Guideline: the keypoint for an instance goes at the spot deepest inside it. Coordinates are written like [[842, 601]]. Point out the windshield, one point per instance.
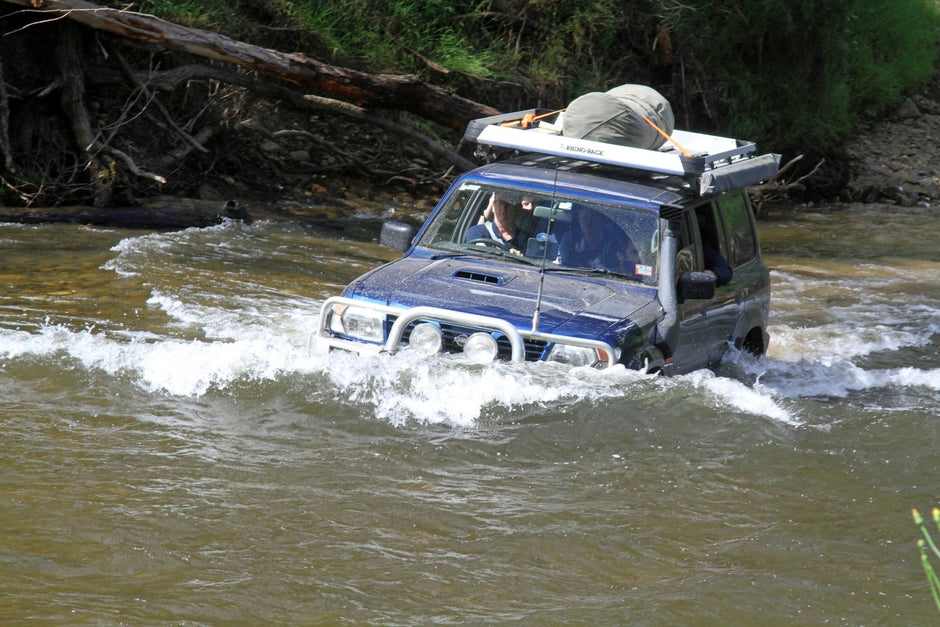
[[570, 234]]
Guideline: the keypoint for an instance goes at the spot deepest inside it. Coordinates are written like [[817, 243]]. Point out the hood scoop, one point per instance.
[[478, 277]]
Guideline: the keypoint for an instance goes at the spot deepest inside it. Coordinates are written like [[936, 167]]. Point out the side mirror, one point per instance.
[[396, 235], [695, 285]]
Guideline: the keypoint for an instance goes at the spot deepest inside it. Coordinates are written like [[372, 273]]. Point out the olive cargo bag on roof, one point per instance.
[[616, 117]]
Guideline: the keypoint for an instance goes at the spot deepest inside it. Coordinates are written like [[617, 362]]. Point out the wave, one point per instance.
[[398, 389], [225, 320]]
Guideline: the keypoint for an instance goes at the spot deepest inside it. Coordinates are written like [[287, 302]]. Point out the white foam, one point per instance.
[[831, 343], [731, 393], [254, 332], [405, 387], [133, 252]]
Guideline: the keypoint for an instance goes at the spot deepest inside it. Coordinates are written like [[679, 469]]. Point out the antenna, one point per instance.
[[548, 233]]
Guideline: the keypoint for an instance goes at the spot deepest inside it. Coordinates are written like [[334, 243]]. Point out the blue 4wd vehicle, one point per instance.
[[607, 264]]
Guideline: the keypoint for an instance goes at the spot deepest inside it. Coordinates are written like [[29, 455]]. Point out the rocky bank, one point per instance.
[[897, 160]]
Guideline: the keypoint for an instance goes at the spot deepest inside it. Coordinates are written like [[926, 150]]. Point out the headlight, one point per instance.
[[480, 348], [573, 355], [359, 322], [426, 339]]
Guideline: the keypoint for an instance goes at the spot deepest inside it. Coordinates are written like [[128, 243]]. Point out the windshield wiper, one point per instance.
[[603, 271], [437, 256], [498, 251], [476, 250]]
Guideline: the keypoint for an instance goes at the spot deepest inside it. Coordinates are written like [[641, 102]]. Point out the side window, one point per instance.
[[709, 228], [463, 207], [688, 258], [736, 213]]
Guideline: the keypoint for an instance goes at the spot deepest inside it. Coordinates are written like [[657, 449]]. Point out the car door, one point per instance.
[[706, 325], [750, 285]]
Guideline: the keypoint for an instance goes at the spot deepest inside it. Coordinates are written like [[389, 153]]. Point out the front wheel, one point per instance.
[[648, 361], [754, 343]]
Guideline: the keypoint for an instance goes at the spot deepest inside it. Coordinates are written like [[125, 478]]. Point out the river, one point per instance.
[[173, 453]]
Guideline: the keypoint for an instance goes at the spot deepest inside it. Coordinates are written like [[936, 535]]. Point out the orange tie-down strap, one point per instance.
[[529, 118]]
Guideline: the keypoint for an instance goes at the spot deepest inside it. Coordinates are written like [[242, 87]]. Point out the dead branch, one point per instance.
[[135, 170], [386, 91], [160, 212], [174, 156], [142, 87], [170, 79], [789, 165], [775, 188]]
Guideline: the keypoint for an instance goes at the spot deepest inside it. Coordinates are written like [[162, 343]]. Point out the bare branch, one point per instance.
[[152, 99], [387, 91], [126, 159]]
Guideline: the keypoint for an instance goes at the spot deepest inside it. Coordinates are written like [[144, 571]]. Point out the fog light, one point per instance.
[[426, 339], [480, 348]]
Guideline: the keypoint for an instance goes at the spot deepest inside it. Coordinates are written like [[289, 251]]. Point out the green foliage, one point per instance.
[[789, 74], [192, 13], [802, 72], [889, 56], [388, 36], [932, 579]]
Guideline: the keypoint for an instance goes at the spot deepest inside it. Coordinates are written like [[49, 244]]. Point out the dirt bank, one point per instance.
[[897, 159]]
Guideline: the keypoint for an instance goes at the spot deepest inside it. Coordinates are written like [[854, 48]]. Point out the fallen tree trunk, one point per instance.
[[170, 79], [386, 91], [162, 212]]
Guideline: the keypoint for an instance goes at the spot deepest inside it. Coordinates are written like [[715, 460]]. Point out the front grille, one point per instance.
[[534, 349]]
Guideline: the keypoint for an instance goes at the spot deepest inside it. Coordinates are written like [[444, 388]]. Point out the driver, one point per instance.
[[499, 225]]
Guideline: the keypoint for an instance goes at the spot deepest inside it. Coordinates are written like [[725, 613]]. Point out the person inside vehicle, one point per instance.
[[716, 265], [595, 241], [498, 224]]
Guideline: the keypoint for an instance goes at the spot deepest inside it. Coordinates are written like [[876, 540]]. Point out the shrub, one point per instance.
[[802, 72]]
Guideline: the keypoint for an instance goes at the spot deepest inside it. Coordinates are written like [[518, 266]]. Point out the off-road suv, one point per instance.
[[652, 304]]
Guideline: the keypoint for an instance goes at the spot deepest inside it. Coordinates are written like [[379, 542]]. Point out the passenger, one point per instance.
[[498, 224], [716, 265], [595, 241]]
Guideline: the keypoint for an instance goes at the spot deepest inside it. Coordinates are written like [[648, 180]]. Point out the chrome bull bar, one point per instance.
[[436, 314]]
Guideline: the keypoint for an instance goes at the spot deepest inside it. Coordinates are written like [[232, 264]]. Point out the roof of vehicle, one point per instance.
[[708, 164], [548, 174]]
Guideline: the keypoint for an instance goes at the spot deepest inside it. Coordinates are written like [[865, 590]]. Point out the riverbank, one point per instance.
[[897, 160], [274, 175], [891, 160]]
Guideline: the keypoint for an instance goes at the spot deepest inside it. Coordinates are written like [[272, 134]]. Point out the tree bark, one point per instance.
[[386, 91], [72, 98], [6, 147]]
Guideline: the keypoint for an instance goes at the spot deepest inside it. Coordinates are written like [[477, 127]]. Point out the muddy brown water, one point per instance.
[[173, 453]]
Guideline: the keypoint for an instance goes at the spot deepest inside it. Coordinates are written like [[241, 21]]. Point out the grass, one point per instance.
[[923, 545]]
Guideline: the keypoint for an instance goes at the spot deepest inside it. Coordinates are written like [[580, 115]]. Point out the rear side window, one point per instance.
[[739, 227]]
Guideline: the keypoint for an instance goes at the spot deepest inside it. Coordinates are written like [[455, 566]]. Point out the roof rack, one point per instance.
[[716, 164]]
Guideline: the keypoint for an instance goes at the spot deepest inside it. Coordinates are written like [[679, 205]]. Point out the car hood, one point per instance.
[[572, 304]]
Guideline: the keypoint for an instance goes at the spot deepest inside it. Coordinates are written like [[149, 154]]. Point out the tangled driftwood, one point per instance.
[[384, 91], [305, 83]]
